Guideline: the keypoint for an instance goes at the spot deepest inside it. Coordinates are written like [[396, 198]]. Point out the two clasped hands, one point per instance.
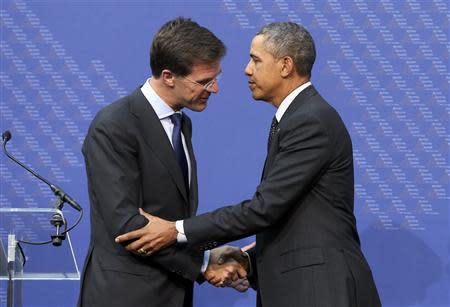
[[228, 265]]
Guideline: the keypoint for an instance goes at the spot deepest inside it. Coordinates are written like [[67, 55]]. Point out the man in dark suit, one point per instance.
[[307, 247], [139, 156]]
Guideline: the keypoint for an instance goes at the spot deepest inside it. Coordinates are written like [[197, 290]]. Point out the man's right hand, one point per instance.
[[227, 253], [156, 235], [221, 271], [228, 266], [241, 284]]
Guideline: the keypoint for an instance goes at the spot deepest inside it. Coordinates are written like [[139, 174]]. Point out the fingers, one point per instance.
[[241, 272], [134, 246], [225, 275], [130, 236], [229, 274], [217, 282], [234, 277], [153, 246], [145, 241], [147, 215], [214, 278], [223, 258], [230, 252], [240, 285], [153, 237], [235, 271]]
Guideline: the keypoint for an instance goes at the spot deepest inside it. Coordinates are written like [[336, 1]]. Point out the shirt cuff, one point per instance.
[[205, 261], [250, 270], [181, 237]]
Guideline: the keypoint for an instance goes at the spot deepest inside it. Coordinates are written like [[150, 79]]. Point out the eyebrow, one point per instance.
[[206, 80], [255, 57]]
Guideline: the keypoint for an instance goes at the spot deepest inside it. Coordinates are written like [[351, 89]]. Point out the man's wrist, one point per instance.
[[249, 264], [205, 264]]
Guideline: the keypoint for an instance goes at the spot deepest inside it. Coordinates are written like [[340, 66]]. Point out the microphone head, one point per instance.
[[6, 136]]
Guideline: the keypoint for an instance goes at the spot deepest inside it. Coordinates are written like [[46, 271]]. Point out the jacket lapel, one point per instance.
[[295, 105], [193, 188], [272, 151], [156, 138]]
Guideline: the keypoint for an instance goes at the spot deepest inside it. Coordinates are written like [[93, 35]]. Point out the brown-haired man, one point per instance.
[[139, 155]]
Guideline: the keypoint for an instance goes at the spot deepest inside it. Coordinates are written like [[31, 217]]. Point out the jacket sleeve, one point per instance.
[[115, 190], [253, 276], [304, 149]]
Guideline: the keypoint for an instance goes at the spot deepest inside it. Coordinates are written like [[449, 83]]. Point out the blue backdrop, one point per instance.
[[384, 65]]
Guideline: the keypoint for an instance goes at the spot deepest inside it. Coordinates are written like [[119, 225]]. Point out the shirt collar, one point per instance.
[[288, 100], [161, 108]]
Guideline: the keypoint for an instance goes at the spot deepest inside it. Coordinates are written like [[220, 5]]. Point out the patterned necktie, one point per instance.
[[177, 120], [273, 131]]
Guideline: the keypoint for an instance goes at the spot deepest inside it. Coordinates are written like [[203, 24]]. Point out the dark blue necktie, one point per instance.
[[177, 120], [273, 130]]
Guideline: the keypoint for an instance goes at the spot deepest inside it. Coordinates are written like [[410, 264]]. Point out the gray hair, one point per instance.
[[290, 39]]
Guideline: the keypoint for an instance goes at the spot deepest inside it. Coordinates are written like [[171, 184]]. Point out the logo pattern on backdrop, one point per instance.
[[388, 58]]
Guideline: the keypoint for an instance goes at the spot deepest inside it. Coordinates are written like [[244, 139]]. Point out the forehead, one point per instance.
[[202, 70], [258, 48]]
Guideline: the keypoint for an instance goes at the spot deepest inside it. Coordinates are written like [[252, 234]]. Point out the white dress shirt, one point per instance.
[[163, 111]]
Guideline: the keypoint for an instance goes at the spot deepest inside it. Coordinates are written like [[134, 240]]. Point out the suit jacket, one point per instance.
[[130, 163], [307, 246]]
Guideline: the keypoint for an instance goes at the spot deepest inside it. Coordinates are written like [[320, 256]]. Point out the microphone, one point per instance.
[[6, 136]]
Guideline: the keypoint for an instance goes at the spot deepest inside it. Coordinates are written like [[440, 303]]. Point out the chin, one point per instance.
[[199, 107], [256, 96]]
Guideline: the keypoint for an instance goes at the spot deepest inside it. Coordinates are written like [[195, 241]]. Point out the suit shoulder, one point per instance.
[[316, 106], [116, 111], [114, 120], [315, 109]]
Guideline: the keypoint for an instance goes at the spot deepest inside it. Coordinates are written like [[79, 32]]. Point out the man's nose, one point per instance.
[[248, 70], [214, 88]]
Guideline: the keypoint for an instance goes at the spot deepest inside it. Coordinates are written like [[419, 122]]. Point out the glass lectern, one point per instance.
[[22, 262]]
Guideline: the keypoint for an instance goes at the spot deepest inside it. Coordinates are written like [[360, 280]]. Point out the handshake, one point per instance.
[[228, 267]]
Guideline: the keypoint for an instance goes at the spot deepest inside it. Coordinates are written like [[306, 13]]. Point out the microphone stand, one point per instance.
[[61, 197], [6, 136], [57, 220]]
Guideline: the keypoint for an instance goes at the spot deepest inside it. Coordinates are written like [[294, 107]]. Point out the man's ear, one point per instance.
[[287, 66], [168, 78]]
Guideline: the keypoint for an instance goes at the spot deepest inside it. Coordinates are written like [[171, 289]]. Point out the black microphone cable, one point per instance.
[[62, 198]]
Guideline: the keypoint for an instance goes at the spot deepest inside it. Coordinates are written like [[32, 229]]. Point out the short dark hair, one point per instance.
[[290, 39], [181, 43]]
